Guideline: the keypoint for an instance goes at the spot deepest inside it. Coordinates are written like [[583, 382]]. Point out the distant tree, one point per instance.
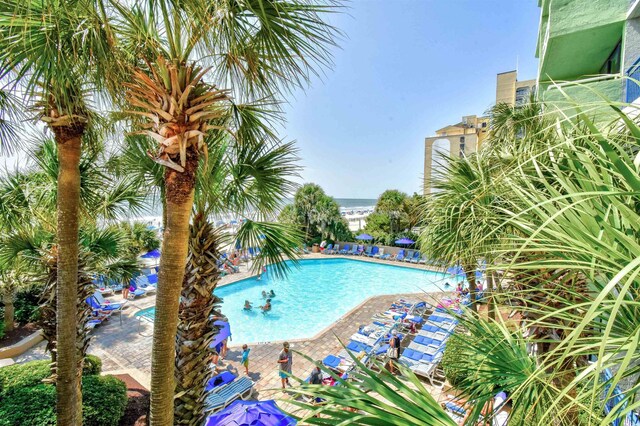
[[288, 215], [317, 214], [391, 203], [305, 202]]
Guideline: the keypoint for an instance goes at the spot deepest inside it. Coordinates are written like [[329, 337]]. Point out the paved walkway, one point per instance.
[[127, 347]]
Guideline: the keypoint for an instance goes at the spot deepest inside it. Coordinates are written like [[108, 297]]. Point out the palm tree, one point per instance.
[[252, 49], [56, 55], [240, 177], [305, 201], [463, 218], [28, 205]]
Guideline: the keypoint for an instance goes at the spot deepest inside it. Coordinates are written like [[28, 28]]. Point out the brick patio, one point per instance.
[[127, 347]]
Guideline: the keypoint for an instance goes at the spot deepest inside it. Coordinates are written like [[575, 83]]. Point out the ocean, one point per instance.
[[347, 205], [356, 202]]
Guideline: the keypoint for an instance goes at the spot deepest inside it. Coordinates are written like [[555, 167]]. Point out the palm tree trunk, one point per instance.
[[7, 299], [491, 307], [470, 271], [195, 328], [68, 394], [179, 201]]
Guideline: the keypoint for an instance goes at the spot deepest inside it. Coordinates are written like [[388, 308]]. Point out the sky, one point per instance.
[[404, 69]]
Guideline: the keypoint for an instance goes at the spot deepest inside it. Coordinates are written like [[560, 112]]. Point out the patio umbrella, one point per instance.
[[223, 333], [364, 237], [404, 241], [153, 254], [455, 270], [251, 413]]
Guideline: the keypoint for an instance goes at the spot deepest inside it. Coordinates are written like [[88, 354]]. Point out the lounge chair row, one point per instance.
[[424, 353], [409, 256], [372, 341]]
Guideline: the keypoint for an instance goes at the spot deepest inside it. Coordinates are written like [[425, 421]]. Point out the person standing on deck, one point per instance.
[[285, 361]]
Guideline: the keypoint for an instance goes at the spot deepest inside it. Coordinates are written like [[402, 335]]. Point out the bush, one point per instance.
[[23, 375], [26, 305], [29, 405], [1, 329], [104, 399], [454, 361], [92, 366], [25, 400]]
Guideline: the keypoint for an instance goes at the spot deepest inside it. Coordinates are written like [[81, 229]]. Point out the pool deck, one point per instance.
[[126, 348]]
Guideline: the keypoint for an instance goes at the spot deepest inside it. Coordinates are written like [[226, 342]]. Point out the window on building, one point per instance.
[[522, 95], [612, 64], [462, 146]]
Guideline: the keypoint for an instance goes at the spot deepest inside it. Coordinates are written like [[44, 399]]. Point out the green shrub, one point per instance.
[[23, 375], [1, 329], [26, 305], [25, 400], [104, 400], [454, 362], [92, 366], [28, 405]]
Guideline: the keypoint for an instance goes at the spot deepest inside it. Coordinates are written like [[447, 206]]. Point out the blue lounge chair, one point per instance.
[[409, 256], [400, 256], [144, 282], [367, 252], [101, 313], [415, 258], [373, 252], [134, 291], [336, 249], [355, 249], [345, 250], [221, 379], [222, 396], [331, 361], [327, 249], [108, 303], [386, 256]]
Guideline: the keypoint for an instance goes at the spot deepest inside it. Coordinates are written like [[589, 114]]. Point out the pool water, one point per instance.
[[314, 295]]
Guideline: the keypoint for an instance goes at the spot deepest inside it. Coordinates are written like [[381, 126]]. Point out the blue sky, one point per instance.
[[405, 69]]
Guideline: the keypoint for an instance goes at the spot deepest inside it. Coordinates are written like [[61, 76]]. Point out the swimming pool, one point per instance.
[[314, 295]]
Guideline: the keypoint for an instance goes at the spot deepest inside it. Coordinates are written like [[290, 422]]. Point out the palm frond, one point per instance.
[[277, 243]]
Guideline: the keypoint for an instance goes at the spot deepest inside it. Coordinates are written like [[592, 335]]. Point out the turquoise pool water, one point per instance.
[[314, 295]]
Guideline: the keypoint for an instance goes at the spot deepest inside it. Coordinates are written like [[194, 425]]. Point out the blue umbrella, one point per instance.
[[153, 254], [251, 413], [223, 333], [455, 270], [364, 237], [406, 241]]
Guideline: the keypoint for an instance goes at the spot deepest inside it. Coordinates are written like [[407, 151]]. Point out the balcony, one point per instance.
[[588, 92]]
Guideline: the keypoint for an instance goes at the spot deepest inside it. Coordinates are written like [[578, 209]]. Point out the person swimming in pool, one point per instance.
[[264, 294], [272, 293], [267, 306], [247, 305]]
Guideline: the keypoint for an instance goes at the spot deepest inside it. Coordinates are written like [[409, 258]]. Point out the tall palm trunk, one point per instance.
[[491, 307], [179, 201], [7, 299], [68, 394], [48, 314], [470, 271], [195, 327]]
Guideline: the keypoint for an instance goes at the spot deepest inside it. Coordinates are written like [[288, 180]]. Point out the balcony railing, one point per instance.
[[633, 80]]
